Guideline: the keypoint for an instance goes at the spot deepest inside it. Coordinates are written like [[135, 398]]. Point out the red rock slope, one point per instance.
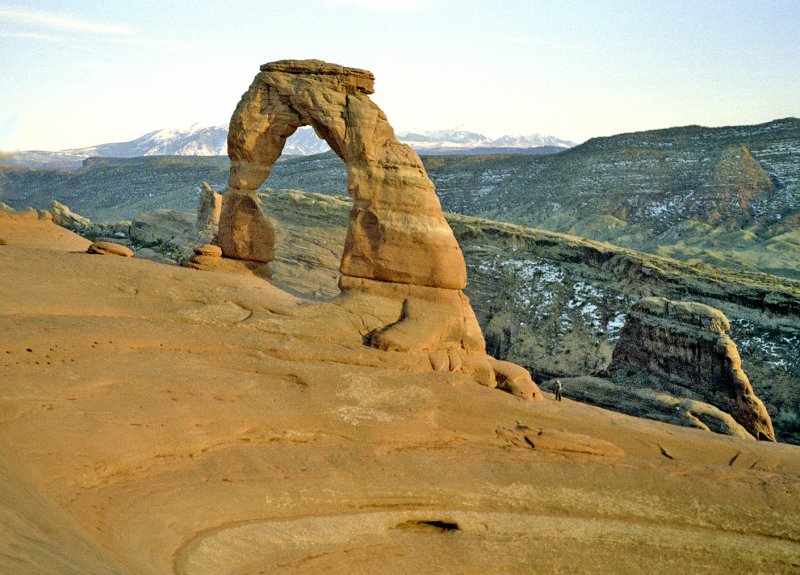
[[160, 420]]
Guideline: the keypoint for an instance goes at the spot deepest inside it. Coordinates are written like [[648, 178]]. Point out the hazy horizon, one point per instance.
[[80, 74]]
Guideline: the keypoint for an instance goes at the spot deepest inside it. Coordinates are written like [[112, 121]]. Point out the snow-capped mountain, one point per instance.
[[212, 141], [192, 141], [531, 140], [457, 141], [304, 142], [454, 138]]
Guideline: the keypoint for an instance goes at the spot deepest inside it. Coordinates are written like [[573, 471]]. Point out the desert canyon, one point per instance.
[[207, 419]]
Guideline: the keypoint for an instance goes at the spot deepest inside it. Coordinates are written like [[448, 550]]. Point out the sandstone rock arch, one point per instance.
[[398, 244], [397, 232]]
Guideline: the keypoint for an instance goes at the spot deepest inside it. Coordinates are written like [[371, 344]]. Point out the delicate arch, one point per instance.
[[397, 231]]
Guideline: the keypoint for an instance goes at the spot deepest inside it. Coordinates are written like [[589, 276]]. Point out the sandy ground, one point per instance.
[[160, 420]]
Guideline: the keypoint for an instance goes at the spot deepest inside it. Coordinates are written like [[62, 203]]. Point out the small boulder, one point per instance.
[[110, 249], [209, 250], [515, 379]]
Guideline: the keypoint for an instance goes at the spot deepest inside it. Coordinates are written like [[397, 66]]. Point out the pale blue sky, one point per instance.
[[81, 73]]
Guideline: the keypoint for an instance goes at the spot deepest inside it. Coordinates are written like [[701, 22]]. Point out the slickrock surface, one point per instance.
[[688, 344], [27, 229], [157, 420]]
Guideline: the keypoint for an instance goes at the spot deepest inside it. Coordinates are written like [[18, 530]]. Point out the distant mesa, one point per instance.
[[398, 244], [687, 346]]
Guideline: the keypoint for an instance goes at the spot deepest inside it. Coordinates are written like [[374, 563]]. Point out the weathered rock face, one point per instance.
[[397, 232], [244, 231], [687, 344], [209, 209], [65, 217]]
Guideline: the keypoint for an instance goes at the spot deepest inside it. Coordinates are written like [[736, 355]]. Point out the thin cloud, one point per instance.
[[39, 19], [383, 5], [34, 36], [89, 65], [39, 25], [540, 43], [175, 45]]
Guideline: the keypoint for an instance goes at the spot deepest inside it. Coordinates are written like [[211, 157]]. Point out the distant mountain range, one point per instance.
[[463, 142], [728, 196], [212, 141]]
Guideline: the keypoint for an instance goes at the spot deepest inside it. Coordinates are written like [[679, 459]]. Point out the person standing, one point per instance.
[[558, 390]]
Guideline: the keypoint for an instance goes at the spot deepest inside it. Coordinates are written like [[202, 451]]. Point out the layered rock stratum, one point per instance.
[[726, 196], [155, 419], [688, 344]]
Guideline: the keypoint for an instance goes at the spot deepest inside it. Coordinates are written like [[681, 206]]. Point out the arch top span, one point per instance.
[[362, 80]]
